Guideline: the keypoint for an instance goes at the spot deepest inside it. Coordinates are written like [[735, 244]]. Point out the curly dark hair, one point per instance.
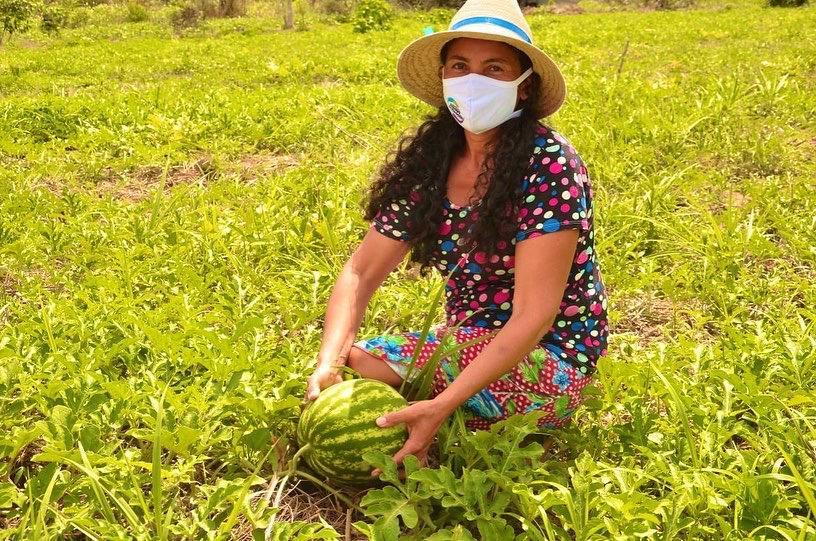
[[423, 159]]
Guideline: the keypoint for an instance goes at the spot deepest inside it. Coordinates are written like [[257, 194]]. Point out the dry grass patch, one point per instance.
[[729, 199], [250, 167], [143, 181], [302, 501], [9, 284], [646, 315], [564, 9]]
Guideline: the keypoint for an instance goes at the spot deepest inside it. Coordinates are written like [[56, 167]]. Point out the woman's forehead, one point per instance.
[[481, 49]]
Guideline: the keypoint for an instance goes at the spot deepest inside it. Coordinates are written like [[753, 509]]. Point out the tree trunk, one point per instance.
[[288, 15]]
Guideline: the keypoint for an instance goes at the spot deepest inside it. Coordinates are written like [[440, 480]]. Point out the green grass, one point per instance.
[[174, 212]]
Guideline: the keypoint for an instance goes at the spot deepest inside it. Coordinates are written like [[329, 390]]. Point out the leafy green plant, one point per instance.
[[478, 497], [372, 15], [136, 12], [418, 382], [78, 17], [301, 14], [54, 17]]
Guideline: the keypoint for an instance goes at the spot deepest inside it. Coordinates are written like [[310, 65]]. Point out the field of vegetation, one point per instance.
[[175, 206]]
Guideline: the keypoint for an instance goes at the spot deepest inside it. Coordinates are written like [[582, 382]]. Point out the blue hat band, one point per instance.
[[498, 22]]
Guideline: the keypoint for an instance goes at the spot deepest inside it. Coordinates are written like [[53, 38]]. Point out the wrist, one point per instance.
[[446, 403], [331, 362]]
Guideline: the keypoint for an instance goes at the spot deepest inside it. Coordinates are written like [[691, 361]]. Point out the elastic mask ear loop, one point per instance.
[[514, 82], [523, 76], [517, 82]]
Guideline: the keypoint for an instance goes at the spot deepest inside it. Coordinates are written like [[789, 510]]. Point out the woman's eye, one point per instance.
[[458, 65], [498, 68]]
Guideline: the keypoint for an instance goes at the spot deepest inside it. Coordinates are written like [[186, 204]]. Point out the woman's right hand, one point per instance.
[[325, 375]]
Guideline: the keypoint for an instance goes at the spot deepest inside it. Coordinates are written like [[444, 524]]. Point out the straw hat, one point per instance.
[[497, 20]]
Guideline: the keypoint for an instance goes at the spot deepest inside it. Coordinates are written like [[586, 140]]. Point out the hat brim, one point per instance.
[[418, 69]]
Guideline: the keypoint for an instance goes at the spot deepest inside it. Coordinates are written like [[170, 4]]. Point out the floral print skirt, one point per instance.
[[541, 381]]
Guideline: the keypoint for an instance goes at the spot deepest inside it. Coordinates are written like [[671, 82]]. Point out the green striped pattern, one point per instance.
[[339, 426]]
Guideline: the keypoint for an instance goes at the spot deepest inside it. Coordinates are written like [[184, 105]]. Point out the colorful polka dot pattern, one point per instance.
[[556, 193], [541, 381]]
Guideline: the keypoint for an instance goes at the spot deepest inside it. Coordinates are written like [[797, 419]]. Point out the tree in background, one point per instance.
[[16, 16], [288, 15]]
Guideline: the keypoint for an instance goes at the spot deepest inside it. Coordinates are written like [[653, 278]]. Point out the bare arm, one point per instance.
[[364, 272], [542, 269], [344, 314]]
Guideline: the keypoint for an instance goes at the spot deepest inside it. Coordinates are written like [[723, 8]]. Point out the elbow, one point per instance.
[[360, 276], [536, 322]]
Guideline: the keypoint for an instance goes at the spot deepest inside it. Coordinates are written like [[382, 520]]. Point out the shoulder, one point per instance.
[[549, 141], [555, 192], [555, 159]]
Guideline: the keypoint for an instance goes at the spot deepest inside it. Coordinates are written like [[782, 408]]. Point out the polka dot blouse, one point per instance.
[[556, 193]]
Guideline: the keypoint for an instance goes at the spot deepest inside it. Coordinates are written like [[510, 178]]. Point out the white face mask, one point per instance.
[[480, 103]]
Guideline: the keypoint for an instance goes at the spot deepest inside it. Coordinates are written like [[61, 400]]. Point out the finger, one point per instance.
[[409, 448], [314, 389], [391, 419]]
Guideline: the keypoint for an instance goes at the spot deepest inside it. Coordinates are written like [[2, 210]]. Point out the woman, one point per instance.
[[485, 189]]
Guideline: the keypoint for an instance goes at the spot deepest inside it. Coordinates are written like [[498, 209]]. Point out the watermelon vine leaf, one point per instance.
[[459, 533], [389, 505], [386, 465]]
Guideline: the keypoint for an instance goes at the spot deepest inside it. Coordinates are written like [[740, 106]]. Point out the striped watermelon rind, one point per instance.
[[339, 427]]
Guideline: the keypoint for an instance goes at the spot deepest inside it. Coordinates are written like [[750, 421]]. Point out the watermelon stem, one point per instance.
[[275, 504], [293, 462], [324, 486]]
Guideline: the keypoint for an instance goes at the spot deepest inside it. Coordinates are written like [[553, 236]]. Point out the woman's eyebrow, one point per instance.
[[457, 57]]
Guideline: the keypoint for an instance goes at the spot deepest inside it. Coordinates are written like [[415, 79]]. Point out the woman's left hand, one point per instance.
[[423, 419]]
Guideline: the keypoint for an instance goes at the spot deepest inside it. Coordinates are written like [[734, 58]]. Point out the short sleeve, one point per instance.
[[394, 219], [555, 192]]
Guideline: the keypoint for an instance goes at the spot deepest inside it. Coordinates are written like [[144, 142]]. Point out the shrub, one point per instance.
[[221, 8], [439, 17], [669, 4], [191, 13], [340, 10], [372, 15], [232, 8], [301, 14], [53, 18], [16, 16], [136, 13], [186, 16], [431, 4], [78, 17], [785, 3]]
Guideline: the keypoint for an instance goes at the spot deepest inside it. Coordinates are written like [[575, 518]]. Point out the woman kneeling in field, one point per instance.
[[485, 189]]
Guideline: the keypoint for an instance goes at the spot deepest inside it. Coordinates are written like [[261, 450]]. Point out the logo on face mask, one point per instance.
[[454, 109]]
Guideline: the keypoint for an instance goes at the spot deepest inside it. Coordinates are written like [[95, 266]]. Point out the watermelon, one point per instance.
[[339, 426]]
